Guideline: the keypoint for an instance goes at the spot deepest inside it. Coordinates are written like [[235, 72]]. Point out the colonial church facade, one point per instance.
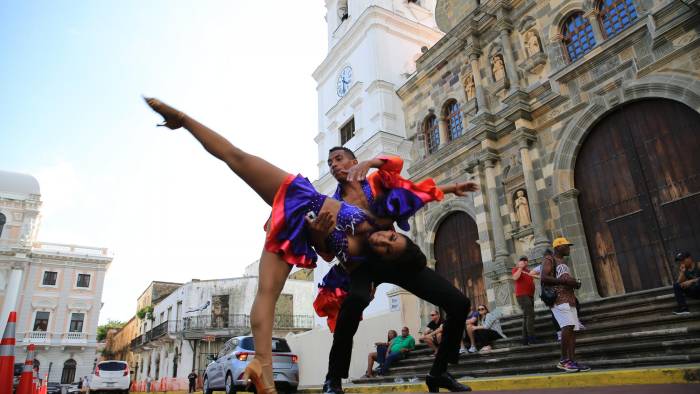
[[578, 119]]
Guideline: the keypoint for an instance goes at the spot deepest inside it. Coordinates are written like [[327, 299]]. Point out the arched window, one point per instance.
[[616, 15], [453, 116], [577, 36], [432, 133], [68, 374], [2, 222]]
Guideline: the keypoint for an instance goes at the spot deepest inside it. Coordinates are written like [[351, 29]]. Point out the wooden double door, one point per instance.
[[458, 256], [638, 173]]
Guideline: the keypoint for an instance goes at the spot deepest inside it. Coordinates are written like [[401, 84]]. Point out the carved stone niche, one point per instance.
[[498, 73], [532, 45], [470, 108]]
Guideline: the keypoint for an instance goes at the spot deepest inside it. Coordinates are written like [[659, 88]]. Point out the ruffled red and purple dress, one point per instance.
[[389, 196], [287, 235]]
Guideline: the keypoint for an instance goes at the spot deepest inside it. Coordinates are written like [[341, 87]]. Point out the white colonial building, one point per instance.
[[195, 319], [56, 289]]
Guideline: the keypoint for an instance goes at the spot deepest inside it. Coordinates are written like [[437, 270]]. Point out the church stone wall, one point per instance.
[[525, 120]]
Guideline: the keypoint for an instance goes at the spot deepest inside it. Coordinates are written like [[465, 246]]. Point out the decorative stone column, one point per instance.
[[474, 54], [499, 282], [571, 226], [499, 240], [505, 27], [592, 17], [525, 137]]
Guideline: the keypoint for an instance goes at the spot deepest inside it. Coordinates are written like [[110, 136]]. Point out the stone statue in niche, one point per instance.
[[532, 43], [470, 87], [498, 68], [522, 209]]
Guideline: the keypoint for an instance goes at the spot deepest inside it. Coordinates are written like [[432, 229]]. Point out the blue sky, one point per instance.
[[71, 74]]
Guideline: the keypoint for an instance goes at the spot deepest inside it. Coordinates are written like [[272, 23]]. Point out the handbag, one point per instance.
[[548, 296]]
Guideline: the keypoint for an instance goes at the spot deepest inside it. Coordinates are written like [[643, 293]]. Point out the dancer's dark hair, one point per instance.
[[344, 149], [412, 257]]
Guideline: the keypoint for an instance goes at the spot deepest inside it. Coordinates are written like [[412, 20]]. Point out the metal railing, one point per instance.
[[237, 321], [234, 322]]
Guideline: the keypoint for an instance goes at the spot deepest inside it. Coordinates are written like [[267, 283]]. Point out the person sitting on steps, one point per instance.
[[380, 355]]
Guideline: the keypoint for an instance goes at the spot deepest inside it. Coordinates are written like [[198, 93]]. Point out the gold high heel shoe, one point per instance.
[[254, 372], [172, 118]]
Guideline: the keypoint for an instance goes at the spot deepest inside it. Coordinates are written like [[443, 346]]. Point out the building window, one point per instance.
[[577, 34], [347, 131], [3, 219], [432, 133], [76, 322], [68, 374], [454, 119], [616, 15], [49, 278], [83, 280], [41, 321]]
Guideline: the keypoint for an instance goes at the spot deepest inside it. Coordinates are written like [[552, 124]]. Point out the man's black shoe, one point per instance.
[[332, 386], [445, 381]]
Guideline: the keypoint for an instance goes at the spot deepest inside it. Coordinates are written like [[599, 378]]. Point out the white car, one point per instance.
[[110, 376]]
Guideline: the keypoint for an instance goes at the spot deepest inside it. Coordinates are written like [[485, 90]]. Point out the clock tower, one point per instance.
[[372, 48]]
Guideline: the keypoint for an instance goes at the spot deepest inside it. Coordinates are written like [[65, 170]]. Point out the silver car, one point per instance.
[[226, 371]]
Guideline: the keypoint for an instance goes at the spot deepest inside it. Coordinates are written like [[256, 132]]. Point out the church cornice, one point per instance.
[[373, 16]]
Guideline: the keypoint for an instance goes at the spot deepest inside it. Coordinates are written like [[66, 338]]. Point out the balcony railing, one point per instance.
[[75, 337], [221, 325], [207, 322], [37, 337], [168, 327]]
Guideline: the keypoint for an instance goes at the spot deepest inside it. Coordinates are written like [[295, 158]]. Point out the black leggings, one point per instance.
[[424, 283]]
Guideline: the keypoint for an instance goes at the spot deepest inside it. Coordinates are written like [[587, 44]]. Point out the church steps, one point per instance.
[[632, 330], [660, 341]]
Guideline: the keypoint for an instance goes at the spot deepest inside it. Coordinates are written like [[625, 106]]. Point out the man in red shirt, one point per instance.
[[525, 294]]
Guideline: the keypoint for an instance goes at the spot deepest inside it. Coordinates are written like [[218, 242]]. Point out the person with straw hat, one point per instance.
[[557, 275]]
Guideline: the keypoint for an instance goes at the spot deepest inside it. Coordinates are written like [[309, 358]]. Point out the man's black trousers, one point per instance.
[[424, 283]]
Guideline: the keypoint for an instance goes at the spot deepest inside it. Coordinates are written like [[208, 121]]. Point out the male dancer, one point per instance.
[[420, 280]]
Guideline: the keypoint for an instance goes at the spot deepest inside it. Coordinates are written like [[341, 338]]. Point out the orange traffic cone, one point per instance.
[[35, 382], [7, 354], [44, 386], [25, 380]]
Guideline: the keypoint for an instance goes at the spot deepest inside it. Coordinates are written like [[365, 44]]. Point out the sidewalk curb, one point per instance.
[[663, 375], [614, 377]]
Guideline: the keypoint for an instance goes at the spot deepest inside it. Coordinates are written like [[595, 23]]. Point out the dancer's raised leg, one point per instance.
[[273, 273], [262, 176]]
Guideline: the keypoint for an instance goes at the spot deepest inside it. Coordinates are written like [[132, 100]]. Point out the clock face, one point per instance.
[[344, 80]]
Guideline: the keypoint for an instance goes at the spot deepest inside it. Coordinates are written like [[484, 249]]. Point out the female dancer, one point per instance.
[[292, 198]]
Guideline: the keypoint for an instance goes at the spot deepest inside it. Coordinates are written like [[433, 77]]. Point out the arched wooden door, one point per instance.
[[638, 172], [458, 257]]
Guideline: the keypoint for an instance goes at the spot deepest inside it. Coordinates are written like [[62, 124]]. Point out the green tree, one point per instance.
[[102, 330]]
